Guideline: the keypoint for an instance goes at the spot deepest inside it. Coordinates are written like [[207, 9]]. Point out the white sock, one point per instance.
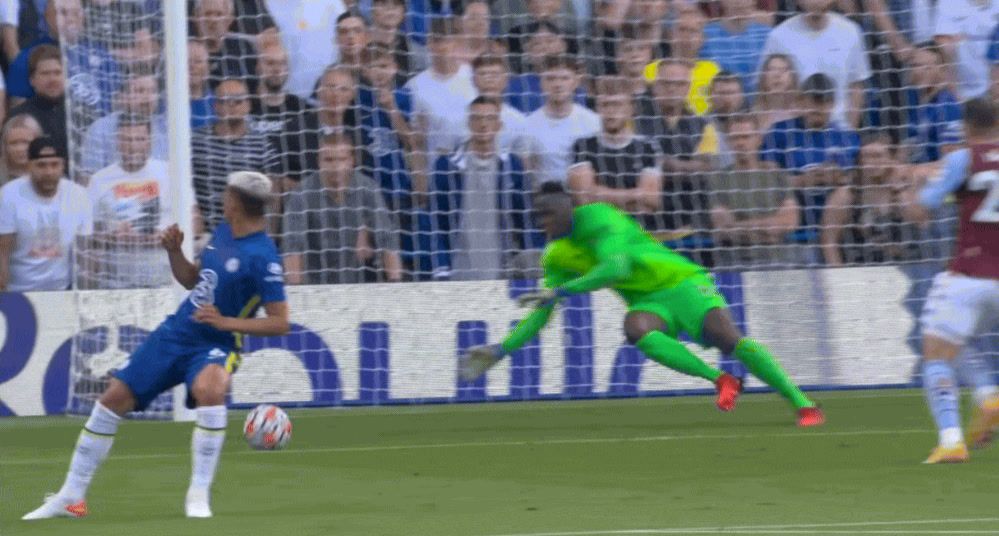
[[951, 437], [91, 449], [206, 445]]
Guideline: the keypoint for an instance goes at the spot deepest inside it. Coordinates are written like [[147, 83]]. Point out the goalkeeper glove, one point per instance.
[[540, 298], [478, 360]]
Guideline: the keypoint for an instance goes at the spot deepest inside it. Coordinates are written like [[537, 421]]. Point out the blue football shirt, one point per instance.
[[237, 275], [932, 125]]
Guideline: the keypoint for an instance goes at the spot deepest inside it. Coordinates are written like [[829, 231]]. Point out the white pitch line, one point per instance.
[[488, 444], [803, 528]]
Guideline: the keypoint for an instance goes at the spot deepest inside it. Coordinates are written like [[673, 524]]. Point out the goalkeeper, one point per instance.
[[596, 246]]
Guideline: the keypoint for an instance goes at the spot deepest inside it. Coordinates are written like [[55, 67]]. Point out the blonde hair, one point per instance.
[[18, 121]]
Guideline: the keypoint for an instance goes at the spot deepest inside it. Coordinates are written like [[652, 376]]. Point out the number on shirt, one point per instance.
[[988, 212]]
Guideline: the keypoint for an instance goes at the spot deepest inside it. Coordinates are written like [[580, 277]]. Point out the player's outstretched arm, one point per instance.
[[184, 271], [920, 201], [275, 323], [479, 359]]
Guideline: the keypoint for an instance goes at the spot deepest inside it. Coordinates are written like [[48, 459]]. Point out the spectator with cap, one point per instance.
[[48, 106], [41, 217], [817, 152]]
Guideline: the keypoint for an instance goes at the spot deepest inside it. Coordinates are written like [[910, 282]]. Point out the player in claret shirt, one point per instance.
[[964, 299], [239, 272], [597, 246]]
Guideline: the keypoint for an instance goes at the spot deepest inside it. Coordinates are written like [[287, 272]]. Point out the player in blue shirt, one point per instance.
[[239, 272]]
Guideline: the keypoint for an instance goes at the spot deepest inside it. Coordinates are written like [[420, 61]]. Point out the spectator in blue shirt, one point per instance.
[[934, 117], [384, 113], [90, 70], [202, 99], [736, 40], [818, 153]]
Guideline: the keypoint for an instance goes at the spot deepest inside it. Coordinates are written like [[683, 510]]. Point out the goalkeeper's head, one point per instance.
[[246, 197], [553, 209]]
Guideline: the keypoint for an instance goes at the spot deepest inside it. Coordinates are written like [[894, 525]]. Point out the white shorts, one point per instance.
[[959, 307]]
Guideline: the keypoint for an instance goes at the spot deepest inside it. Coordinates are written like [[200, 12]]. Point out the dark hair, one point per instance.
[[933, 48], [559, 61], [134, 120], [487, 59], [349, 14], [336, 139], [612, 85], [41, 53], [462, 6], [484, 100], [630, 31], [980, 114], [441, 27], [743, 118], [550, 188], [819, 88], [726, 77], [377, 51], [253, 207]]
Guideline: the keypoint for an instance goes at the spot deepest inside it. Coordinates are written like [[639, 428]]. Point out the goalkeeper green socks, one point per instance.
[[764, 366], [670, 352]]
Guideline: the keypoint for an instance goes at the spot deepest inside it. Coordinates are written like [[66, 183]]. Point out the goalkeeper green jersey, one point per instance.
[[608, 248]]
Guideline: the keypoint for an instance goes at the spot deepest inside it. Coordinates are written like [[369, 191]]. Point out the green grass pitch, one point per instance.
[[649, 466]]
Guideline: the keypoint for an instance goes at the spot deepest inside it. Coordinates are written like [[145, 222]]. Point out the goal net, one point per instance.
[[405, 139]]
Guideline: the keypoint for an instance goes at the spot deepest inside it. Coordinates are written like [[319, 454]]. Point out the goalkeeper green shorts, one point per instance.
[[684, 306]]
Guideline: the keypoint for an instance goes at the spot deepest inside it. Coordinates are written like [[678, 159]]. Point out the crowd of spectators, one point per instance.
[[405, 137]]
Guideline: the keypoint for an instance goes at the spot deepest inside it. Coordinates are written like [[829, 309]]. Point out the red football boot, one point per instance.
[[728, 387], [812, 416]]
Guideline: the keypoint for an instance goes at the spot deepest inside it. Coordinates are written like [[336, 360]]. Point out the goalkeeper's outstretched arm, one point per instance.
[[479, 359]]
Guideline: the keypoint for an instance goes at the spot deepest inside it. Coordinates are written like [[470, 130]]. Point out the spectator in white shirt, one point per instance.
[[41, 217], [131, 205], [964, 30], [820, 41], [442, 93], [140, 94], [306, 28], [560, 122]]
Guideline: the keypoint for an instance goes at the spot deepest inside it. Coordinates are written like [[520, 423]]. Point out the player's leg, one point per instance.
[[949, 318], [92, 447], [208, 384], [648, 331], [146, 374], [976, 370], [720, 331], [703, 313]]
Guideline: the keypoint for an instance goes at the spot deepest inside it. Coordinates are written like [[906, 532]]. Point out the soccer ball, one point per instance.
[[267, 427]]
